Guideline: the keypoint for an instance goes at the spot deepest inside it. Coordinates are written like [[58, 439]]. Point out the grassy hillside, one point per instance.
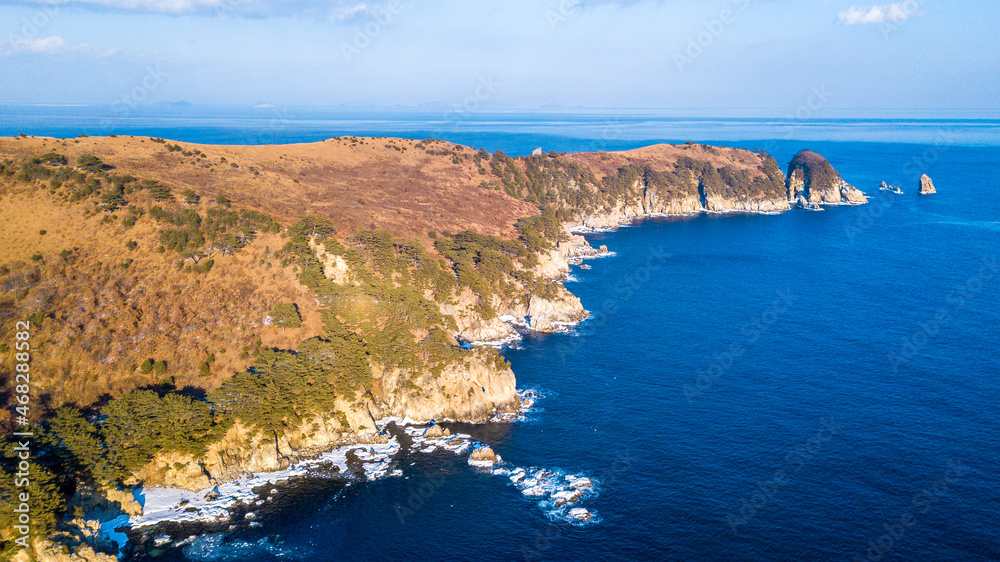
[[128, 250]]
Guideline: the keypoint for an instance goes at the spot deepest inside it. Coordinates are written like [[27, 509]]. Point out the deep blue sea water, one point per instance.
[[807, 386]]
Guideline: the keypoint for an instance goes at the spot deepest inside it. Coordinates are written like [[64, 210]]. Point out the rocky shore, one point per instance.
[[477, 388]]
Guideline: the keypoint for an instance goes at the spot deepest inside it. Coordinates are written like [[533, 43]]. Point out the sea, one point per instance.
[[804, 386]]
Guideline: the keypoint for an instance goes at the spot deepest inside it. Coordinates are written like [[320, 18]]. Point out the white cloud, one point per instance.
[[44, 45], [351, 12], [51, 46], [883, 13]]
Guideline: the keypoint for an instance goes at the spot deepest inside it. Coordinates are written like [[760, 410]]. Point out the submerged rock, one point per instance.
[[567, 497], [926, 185]]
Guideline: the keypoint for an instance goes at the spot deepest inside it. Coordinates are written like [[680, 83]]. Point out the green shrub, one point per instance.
[[90, 163], [286, 315], [142, 423]]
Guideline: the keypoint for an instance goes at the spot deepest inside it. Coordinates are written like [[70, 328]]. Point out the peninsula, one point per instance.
[[199, 312]]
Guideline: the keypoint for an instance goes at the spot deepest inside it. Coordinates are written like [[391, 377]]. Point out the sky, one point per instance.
[[779, 54]]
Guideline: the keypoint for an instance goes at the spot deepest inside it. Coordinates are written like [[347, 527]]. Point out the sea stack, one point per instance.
[[483, 457], [926, 185], [812, 181]]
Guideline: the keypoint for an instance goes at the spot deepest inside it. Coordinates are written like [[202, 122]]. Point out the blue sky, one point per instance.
[[575, 53]]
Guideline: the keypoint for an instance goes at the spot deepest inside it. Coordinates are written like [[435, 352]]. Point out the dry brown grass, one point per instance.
[[663, 157], [107, 320], [406, 192]]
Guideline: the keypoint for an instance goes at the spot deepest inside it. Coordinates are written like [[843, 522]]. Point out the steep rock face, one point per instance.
[[547, 315], [623, 213], [763, 205], [653, 202], [474, 328], [926, 185], [552, 264], [107, 502], [467, 391], [812, 180], [682, 201], [559, 310], [244, 450], [334, 266], [470, 390], [471, 325]]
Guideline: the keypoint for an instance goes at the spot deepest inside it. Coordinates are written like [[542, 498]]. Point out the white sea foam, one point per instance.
[[529, 399], [160, 505], [457, 443], [558, 494], [549, 486]]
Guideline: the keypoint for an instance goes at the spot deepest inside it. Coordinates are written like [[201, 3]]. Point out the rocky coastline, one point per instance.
[[478, 388]]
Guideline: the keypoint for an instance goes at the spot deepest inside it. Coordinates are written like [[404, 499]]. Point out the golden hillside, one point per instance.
[[109, 296]]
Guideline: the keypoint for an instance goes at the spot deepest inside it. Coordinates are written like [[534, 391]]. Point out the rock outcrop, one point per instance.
[[811, 180], [483, 456], [470, 324], [471, 390], [653, 205], [892, 188], [926, 185], [435, 432], [685, 200]]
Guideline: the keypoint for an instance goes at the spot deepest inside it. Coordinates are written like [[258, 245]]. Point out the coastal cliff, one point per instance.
[[652, 204], [470, 390], [813, 181], [248, 308]]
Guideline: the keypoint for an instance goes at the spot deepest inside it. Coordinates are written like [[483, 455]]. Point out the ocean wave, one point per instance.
[[457, 443], [558, 493], [529, 410], [220, 548]]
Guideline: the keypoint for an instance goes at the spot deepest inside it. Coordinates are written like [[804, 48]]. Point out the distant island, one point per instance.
[[203, 311]]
